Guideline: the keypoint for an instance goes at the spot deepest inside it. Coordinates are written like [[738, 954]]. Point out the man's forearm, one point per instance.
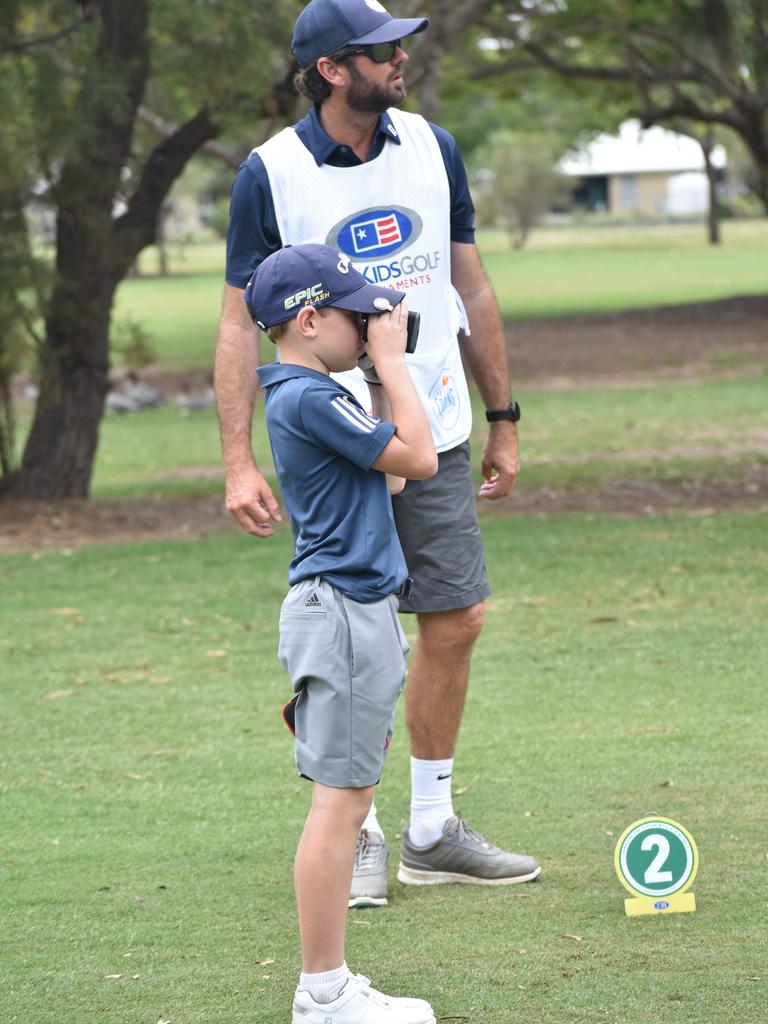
[[485, 348], [237, 383]]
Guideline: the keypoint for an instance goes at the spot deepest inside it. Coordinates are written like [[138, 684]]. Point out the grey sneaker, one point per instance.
[[369, 877], [462, 855]]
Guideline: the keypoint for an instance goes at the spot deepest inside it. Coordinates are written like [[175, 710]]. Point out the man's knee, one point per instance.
[[457, 628]]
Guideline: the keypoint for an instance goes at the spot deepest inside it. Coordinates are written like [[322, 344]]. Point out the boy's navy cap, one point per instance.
[[325, 26], [311, 275]]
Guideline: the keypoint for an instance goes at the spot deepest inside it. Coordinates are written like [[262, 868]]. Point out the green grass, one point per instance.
[[561, 273], [574, 439], [150, 807]]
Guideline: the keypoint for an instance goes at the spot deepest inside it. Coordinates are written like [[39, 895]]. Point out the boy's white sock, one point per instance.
[[431, 804], [325, 987], [371, 823]]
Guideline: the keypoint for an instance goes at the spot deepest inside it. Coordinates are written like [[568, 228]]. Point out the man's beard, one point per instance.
[[370, 97]]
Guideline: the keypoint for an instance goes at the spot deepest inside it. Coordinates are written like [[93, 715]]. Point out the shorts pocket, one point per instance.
[[306, 644]]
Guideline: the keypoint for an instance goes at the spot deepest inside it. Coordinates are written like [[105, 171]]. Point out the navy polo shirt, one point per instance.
[[323, 445], [253, 231]]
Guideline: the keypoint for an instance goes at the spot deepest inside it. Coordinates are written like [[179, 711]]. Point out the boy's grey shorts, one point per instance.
[[436, 522], [346, 661]]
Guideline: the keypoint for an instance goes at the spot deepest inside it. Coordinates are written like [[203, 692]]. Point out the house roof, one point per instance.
[[636, 150]]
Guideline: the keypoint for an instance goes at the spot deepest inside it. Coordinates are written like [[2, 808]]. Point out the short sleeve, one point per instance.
[[336, 421], [253, 232], [462, 207]]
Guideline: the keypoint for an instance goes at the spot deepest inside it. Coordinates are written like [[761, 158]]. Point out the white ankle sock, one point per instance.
[[325, 987], [371, 823], [431, 804]]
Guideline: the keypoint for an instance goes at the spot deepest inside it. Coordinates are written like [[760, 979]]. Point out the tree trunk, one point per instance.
[[713, 211], [94, 252], [59, 454]]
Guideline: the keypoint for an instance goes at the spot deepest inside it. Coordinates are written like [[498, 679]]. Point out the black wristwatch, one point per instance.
[[512, 412]]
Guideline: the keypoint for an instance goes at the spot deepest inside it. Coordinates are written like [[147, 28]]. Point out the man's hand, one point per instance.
[[501, 461], [251, 502]]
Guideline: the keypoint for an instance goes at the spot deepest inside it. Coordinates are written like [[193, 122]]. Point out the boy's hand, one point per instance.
[[387, 333]]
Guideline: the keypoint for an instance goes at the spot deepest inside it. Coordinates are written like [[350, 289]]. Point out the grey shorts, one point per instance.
[[437, 525], [346, 661]]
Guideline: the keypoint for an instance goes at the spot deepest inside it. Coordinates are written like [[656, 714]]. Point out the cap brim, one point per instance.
[[363, 300], [397, 28]]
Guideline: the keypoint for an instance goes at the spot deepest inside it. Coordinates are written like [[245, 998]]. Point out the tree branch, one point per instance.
[[216, 150], [137, 227], [24, 45]]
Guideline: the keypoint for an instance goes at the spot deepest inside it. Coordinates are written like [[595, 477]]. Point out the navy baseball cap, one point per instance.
[[311, 275], [325, 26]]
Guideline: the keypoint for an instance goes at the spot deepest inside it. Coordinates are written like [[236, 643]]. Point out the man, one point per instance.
[[390, 190]]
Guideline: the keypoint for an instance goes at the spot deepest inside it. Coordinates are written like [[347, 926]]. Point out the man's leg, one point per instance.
[[437, 846], [437, 679]]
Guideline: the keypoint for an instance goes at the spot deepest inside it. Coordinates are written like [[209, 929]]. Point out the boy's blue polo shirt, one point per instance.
[[253, 231], [324, 444]]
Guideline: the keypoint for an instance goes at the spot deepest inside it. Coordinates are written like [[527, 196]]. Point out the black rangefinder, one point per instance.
[[412, 331]]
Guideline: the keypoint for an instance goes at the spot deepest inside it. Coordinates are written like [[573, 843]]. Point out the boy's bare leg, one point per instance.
[[323, 873]]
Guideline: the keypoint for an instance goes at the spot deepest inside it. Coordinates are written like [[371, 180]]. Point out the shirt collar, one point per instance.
[[276, 373], [322, 146]]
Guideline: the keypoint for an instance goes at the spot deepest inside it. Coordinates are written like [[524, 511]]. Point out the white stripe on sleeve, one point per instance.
[[356, 416]]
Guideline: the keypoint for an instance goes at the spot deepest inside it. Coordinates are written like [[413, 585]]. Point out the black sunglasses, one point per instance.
[[379, 53]]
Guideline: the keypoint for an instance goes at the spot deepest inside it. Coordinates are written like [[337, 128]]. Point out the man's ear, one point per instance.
[[334, 74], [306, 321]]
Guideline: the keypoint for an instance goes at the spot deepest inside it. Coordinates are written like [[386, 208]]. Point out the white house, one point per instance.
[[650, 171]]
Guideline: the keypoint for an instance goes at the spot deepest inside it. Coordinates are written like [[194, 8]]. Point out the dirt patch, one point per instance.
[[714, 339], [705, 338]]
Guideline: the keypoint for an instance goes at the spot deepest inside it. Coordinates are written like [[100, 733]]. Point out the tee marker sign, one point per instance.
[[656, 860]]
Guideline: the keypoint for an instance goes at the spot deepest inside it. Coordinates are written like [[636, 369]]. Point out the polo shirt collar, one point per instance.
[[276, 373], [320, 144]]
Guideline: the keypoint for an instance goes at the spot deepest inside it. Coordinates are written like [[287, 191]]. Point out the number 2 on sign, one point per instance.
[[661, 845]]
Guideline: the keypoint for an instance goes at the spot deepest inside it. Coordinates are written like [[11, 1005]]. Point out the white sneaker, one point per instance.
[[361, 1004]]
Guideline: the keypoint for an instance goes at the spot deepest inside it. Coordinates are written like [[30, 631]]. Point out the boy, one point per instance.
[[340, 638]]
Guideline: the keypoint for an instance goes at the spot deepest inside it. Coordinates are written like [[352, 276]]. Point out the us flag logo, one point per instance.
[[370, 234]]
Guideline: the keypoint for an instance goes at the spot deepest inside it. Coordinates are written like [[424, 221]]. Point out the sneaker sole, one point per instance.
[[367, 901], [412, 876]]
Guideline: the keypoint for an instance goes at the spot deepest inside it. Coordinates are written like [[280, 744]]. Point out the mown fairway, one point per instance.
[[562, 272], [150, 807]]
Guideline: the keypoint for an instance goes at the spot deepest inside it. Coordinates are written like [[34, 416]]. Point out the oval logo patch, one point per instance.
[[444, 399], [376, 232]]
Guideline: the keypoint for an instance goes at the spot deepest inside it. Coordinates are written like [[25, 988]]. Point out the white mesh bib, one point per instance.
[[392, 217]]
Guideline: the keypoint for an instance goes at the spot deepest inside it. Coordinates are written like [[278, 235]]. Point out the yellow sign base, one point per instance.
[[682, 903]]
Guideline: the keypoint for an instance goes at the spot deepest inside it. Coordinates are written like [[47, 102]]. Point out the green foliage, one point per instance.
[[132, 344], [518, 182]]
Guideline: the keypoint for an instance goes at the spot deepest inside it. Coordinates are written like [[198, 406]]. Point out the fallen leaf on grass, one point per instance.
[[609, 833], [55, 694], [576, 938], [135, 977], [216, 654], [113, 975], [461, 791], [667, 782], [265, 963], [366, 923], [529, 814], [602, 619], [135, 776], [754, 977], [665, 729]]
